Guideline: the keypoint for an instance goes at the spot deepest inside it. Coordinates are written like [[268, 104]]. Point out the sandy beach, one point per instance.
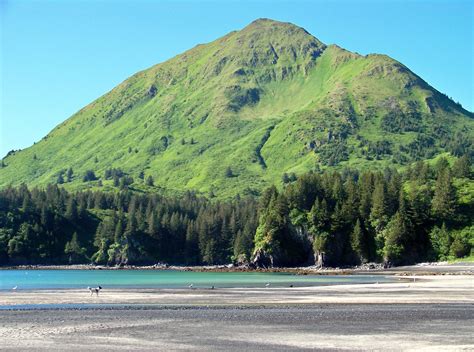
[[417, 313], [410, 289]]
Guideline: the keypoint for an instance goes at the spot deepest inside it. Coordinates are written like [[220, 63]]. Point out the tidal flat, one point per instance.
[[388, 327], [416, 313]]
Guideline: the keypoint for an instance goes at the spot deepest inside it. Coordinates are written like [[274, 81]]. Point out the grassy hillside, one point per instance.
[[234, 115]]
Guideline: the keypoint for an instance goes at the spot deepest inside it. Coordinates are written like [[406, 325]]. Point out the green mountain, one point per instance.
[[232, 116]]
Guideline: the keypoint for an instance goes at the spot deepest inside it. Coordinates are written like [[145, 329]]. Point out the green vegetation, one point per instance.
[[55, 226], [468, 259], [331, 218], [350, 217], [263, 101]]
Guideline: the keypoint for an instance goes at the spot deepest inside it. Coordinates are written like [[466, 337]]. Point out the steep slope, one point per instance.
[[233, 115]]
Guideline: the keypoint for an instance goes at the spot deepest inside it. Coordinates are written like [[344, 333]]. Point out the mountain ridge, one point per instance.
[[271, 98]]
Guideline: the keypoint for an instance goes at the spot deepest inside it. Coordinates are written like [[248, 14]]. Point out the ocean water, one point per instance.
[[62, 279]]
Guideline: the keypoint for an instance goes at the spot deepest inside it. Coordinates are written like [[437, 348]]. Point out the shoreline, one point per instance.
[[434, 268], [433, 289]]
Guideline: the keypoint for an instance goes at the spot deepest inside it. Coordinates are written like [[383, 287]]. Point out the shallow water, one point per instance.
[[63, 279]]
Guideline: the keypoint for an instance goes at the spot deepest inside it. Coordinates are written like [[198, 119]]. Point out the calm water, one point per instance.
[[57, 279]]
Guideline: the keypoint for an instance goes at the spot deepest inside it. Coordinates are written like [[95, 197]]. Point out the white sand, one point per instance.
[[427, 289]]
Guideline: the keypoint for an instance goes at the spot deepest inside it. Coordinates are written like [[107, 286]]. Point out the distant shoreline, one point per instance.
[[418, 269], [207, 268]]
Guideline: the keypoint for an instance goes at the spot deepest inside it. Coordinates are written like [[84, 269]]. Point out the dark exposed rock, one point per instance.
[[262, 260], [239, 97], [152, 91]]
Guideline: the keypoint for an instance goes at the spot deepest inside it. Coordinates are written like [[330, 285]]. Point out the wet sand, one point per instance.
[[417, 313], [430, 327]]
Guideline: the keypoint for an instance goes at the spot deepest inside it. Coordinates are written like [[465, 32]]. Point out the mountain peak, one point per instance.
[[269, 25], [271, 41], [264, 100], [268, 21]]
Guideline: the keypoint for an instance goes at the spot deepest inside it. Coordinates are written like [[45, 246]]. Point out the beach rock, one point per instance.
[[370, 266], [262, 260], [242, 261]]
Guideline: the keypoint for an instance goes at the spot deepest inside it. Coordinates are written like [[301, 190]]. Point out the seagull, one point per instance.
[[14, 288], [190, 286], [267, 284]]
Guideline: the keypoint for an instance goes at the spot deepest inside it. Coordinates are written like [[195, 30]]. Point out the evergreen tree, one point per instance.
[[60, 179], [116, 181], [228, 172], [149, 181], [89, 176], [462, 243], [69, 174], [378, 213], [74, 251], [118, 231], [394, 236], [365, 184], [337, 188], [462, 167], [441, 166], [440, 241], [359, 242], [192, 245], [350, 205], [71, 210], [318, 217], [420, 172], [393, 190], [443, 204]]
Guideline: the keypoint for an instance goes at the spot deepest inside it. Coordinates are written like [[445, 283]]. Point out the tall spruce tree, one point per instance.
[[462, 167], [394, 235], [443, 204], [73, 250], [379, 213], [359, 242]]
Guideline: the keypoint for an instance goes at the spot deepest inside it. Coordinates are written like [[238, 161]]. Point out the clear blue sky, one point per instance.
[[58, 56]]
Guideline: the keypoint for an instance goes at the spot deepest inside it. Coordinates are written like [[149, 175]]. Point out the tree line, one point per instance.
[[326, 217], [52, 225], [351, 217]]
